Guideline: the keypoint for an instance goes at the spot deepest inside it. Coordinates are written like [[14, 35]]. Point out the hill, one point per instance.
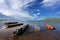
[[52, 19], [57, 20]]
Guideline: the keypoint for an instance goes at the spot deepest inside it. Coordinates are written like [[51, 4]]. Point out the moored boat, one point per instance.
[[49, 26], [10, 23], [13, 25], [21, 30]]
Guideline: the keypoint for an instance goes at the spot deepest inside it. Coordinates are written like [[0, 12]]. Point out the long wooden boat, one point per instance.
[[13, 25], [21, 30]]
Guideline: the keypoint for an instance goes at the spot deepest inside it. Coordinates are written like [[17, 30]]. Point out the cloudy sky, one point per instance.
[[30, 9]]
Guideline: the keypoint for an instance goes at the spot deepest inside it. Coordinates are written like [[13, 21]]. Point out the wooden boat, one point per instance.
[[21, 30], [49, 26], [13, 25], [10, 23]]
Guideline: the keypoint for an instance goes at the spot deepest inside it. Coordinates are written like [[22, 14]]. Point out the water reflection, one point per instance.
[[39, 23]]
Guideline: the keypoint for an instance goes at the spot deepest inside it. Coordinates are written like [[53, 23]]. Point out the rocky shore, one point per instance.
[[7, 34]]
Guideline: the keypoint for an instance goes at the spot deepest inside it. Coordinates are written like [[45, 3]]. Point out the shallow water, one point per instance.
[[42, 23], [39, 23], [6, 34]]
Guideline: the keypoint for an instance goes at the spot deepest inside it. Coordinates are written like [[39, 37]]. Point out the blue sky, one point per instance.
[[30, 9]]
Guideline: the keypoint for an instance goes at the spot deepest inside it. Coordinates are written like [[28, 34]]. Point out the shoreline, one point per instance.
[[42, 35]]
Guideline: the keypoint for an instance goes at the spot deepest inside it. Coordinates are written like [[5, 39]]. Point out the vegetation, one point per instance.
[[57, 20], [53, 19]]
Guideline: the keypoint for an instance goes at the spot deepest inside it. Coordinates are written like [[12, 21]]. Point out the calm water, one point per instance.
[[42, 23], [39, 23], [42, 35]]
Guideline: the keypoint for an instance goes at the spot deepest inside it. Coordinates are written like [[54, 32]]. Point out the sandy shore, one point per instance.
[[6, 34]]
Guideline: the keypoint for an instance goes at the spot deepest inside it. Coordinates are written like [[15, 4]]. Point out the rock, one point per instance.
[[36, 29]]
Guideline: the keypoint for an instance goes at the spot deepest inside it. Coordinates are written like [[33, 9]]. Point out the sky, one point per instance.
[[30, 9]]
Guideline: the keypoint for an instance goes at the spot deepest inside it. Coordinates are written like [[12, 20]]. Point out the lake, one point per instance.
[[38, 23], [44, 34], [42, 23]]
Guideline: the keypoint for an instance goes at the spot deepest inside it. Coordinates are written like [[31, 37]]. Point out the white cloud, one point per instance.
[[36, 14], [51, 3], [16, 4], [6, 12], [58, 13], [12, 8], [38, 10], [17, 14]]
